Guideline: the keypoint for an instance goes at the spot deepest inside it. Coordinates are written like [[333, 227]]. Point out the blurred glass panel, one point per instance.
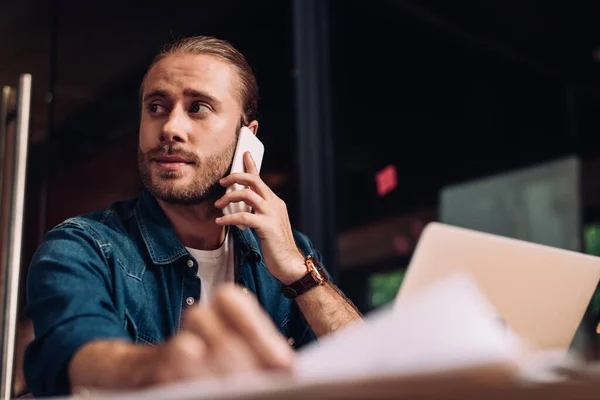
[[539, 204]]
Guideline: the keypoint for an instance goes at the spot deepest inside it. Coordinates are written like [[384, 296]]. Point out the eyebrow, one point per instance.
[[186, 92]]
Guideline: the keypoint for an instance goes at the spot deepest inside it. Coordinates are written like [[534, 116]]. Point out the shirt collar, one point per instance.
[[165, 247]]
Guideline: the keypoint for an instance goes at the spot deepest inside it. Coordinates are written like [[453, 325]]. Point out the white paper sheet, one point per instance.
[[448, 325]]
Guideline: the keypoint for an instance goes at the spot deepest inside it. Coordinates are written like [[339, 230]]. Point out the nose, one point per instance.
[[176, 128]]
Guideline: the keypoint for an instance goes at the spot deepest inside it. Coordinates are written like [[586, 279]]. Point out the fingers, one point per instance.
[[246, 195], [204, 322], [232, 334], [243, 218], [243, 314], [238, 334], [248, 179], [250, 164], [226, 350], [182, 358]]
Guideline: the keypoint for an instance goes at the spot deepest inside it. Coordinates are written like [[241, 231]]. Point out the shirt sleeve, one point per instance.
[[69, 301]]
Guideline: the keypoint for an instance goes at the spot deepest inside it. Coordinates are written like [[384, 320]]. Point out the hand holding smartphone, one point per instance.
[[247, 142]]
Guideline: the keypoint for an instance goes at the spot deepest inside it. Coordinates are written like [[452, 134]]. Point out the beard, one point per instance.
[[204, 184]]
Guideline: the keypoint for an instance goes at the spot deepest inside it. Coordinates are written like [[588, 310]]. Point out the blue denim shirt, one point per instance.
[[123, 274]]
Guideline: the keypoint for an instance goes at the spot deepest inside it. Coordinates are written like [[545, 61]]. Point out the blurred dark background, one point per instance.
[[368, 109]]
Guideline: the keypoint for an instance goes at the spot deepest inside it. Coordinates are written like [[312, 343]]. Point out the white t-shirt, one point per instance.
[[215, 267]]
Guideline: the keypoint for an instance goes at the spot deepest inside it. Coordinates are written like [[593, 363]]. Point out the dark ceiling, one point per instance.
[[554, 38]]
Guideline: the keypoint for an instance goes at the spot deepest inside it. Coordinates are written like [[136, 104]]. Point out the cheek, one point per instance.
[[214, 139], [148, 138]]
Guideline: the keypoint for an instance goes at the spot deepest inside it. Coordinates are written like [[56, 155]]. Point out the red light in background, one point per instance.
[[386, 180]]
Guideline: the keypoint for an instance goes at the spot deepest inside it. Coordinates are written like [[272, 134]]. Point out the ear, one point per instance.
[[253, 126]]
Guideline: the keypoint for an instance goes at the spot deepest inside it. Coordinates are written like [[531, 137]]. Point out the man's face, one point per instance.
[[191, 114]]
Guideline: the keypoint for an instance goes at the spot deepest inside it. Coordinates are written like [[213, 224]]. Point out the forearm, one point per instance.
[[112, 364], [326, 309]]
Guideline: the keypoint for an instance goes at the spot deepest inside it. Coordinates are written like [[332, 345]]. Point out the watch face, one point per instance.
[[319, 270], [322, 272], [316, 273]]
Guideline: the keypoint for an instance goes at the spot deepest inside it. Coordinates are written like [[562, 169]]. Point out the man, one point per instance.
[[136, 295]]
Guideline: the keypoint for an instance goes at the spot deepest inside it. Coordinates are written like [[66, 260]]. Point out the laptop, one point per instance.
[[540, 292]]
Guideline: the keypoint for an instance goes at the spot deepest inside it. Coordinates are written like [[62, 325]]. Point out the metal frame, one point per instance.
[[14, 235], [4, 107], [314, 133]]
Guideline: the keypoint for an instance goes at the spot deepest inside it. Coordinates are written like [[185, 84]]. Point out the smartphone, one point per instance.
[[247, 141]]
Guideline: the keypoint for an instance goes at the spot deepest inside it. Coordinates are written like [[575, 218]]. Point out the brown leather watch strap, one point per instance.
[[308, 281]]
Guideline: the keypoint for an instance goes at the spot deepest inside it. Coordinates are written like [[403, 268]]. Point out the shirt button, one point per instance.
[[189, 301], [291, 341], [190, 263]]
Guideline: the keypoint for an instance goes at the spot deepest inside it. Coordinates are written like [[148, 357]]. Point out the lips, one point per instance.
[[171, 162], [171, 159]]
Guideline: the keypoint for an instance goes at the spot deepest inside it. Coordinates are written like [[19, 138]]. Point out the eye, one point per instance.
[[199, 108], [155, 108]]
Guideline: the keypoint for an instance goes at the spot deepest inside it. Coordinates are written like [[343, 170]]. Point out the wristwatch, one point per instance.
[[316, 276]]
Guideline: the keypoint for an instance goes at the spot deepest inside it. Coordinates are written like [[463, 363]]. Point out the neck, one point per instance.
[[195, 224]]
